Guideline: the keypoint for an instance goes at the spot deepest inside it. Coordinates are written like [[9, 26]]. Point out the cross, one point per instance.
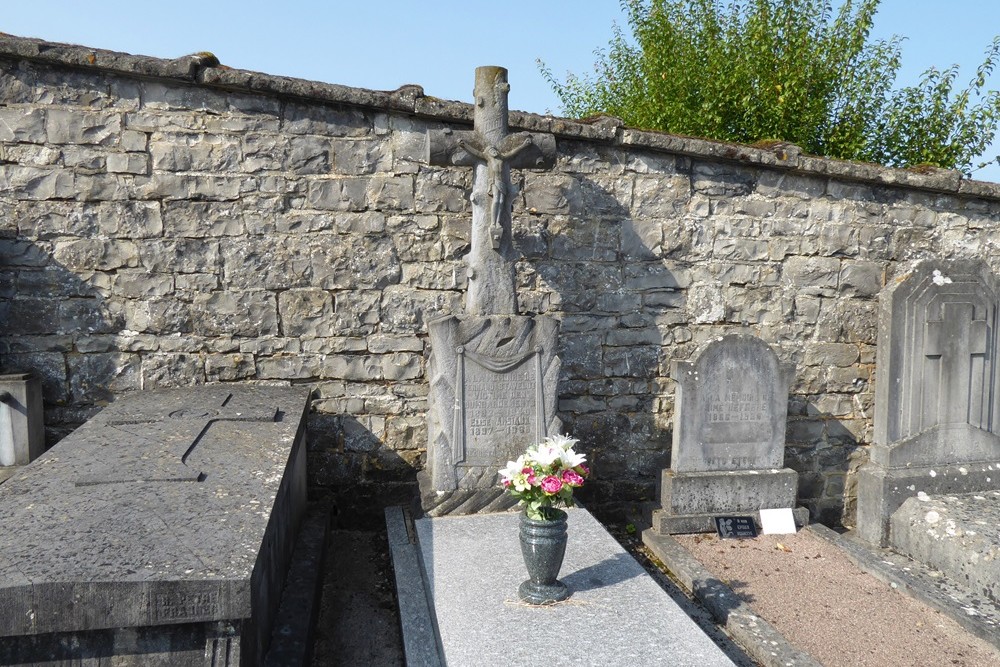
[[492, 151], [955, 339], [157, 440]]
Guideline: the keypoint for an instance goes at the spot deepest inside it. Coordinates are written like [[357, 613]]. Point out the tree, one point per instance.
[[789, 70]]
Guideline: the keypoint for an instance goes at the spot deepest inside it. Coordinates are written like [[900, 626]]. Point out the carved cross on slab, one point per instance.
[[959, 341], [493, 151], [156, 440]]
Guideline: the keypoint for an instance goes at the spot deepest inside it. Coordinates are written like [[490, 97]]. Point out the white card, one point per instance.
[[777, 521]]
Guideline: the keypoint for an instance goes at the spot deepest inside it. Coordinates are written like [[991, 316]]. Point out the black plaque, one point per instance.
[[735, 527]]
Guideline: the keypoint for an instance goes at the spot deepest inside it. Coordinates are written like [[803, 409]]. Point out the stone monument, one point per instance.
[[492, 372], [728, 449], [158, 533], [936, 398], [22, 428]]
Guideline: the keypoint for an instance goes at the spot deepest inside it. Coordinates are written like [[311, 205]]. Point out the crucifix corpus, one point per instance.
[[492, 372], [492, 150]]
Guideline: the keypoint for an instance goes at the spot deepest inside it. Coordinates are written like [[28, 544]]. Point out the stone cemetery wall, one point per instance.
[[169, 223]]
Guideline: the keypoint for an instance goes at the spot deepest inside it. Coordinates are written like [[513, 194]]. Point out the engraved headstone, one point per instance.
[[729, 437], [157, 533], [492, 372], [936, 392]]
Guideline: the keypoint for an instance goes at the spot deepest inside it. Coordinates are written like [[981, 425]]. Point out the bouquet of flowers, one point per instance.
[[545, 476]]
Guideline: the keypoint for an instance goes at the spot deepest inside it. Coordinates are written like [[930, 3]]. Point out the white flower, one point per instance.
[[572, 459], [545, 454], [512, 470]]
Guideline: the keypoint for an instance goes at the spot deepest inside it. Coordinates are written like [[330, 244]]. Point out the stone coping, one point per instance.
[[204, 69]]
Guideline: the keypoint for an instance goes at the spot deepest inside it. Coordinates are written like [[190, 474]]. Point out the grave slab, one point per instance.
[[954, 534], [616, 614], [937, 398], [157, 533], [729, 437]]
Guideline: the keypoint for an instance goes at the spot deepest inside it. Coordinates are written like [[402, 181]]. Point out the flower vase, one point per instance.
[[543, 545]]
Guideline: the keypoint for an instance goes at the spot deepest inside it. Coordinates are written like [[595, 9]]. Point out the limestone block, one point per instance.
[[306, 313], [22, 124], [91, 254], [180, 255], [101, 376], [291, 367], [237, 313], [172, 370], [70, 126], [128, 163]]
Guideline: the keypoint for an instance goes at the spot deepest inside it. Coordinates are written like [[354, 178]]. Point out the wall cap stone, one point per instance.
[[204, 69]]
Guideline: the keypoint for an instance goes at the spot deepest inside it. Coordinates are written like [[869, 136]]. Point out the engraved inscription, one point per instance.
[[499, 413], [737, 418], [183, 606]]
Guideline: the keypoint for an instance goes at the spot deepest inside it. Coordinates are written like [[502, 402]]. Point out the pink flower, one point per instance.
[[572, 478], [552, 485], [583, 470], [506, 483]]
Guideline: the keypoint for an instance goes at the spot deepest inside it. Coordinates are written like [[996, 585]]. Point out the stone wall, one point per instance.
[[167, 223]]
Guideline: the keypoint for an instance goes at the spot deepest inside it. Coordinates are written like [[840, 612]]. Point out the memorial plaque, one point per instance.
[[499, 408], [936, 391], [731, 407], [735, 527], [491, 397]]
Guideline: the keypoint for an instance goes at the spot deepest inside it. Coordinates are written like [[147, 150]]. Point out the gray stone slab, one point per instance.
[[954, 534], [492, 393], [22, 428], [617, 614], [937, 399], [419, 632], [171, 508]]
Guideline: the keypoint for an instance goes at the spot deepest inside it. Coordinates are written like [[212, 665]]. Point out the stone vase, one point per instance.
[[543, 545]]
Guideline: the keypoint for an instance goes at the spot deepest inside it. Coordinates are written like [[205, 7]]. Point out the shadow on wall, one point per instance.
[[619, 303], [56, 325]]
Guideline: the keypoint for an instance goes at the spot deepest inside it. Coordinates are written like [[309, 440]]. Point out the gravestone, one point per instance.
[[936, 398], [729, 437], [22, 429], [492, 372], [157, 533]]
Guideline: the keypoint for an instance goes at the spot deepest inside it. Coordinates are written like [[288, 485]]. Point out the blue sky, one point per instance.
[[382, 44]]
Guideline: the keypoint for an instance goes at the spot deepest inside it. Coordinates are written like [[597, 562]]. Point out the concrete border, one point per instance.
[[755, 635], [421, 643]]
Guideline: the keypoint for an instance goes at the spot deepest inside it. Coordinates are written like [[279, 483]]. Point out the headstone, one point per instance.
[[157, 533], [22, 429], [492, 372], [936, 398], [729, 437]]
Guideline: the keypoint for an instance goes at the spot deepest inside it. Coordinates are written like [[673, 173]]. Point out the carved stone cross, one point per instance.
[[957, 339], [493, 151]]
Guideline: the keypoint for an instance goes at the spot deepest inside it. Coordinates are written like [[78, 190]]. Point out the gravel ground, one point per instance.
[[824, 604]]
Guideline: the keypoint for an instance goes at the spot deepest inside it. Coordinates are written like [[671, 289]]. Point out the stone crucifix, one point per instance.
[[492, 151]]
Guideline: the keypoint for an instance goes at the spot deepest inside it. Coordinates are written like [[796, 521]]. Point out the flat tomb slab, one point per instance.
[[171, 513], [616, 614], [954, 534]]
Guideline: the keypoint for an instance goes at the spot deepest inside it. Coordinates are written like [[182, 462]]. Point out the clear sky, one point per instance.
[[383, 44]]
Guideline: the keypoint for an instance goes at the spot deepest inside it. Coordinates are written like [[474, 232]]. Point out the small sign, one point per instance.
[[735, 527], [777, 521]]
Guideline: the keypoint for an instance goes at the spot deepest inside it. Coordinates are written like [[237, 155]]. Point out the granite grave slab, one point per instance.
[[936, 400], [728, 450], [158, 533], [616, 615]]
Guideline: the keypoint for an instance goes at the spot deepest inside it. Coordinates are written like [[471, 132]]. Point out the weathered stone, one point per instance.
[[935, 393], [250, 313]]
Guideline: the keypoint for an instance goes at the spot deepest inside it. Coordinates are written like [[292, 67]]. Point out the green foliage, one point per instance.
[[789, 70]]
